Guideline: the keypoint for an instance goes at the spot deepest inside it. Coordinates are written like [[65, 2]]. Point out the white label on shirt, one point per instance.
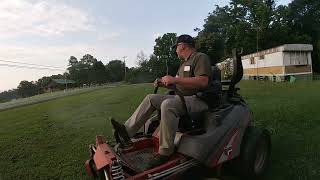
[[186, 68]]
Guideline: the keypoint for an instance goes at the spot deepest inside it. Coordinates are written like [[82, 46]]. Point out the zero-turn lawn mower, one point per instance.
[[223, 134]]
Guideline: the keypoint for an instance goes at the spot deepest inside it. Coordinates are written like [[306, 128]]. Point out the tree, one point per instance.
[[260, 24], [73, 61], [243, 24], [143, 64], [115, 70], [97, 73], [164, 59], [42, 83], [212, 44], [26, 89], [142, 59], [304, 22], [88, 60], [8, 95], [141, 73], [81, 71], [225, 28]]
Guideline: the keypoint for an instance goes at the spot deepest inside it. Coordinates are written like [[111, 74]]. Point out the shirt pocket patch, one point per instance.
[[186, 71], [186, 68]]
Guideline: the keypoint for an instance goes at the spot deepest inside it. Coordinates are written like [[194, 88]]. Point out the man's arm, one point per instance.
[[202, 71], [197, 82]]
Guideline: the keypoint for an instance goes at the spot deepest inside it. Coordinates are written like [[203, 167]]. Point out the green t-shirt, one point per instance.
[[198, 64]]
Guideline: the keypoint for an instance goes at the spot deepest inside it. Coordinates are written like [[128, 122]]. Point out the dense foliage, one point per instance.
[[254, 25]]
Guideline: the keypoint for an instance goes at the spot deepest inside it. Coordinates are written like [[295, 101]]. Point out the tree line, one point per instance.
[[253, 25], [85, 72], [260, 24]]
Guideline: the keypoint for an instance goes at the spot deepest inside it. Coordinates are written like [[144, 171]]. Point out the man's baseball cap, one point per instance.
[[184, 38]]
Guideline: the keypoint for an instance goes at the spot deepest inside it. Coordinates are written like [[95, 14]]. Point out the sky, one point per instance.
[[48, 32]]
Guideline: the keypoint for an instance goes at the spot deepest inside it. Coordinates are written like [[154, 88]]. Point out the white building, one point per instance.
[[279, 63]]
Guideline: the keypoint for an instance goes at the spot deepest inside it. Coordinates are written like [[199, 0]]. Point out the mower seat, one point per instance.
[[192, 123]]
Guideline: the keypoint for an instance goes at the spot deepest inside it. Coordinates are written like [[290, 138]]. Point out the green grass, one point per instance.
[[50, 140], [291, 113], [316, 76]]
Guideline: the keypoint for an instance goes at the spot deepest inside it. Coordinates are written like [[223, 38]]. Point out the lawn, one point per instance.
[[50, 140]]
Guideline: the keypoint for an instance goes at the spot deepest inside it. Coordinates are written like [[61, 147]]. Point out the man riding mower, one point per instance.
[[197, 123]]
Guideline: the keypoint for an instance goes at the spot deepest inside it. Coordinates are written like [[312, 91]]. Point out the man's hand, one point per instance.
[[157, 83], [168, 80]]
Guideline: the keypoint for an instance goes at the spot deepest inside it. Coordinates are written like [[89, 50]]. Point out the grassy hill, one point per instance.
[[50, 140]]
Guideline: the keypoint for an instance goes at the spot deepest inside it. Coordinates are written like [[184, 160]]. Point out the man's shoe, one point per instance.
[[121, 133], [157, 160]]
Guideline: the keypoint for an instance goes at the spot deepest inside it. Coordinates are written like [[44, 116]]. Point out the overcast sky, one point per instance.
[[48, 32]]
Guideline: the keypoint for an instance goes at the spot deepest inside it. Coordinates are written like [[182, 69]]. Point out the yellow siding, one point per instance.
[[297, 69], [278, 70], [265, 70]]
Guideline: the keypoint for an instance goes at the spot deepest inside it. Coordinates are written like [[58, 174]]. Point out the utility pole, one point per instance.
[[257, 28], [65, 81], [125, 69], [257, 40]]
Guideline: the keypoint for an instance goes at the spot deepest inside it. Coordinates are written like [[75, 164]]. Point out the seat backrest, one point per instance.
[[237, 70], [216, 73], [231, 71]]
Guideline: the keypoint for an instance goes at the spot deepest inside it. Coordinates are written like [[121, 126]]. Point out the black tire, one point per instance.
[[255, 153]]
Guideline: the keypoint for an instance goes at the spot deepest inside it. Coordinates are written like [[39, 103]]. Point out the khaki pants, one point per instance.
[[171, 109]]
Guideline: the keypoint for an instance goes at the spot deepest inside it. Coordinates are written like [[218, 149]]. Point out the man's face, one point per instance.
[[179, 50]]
